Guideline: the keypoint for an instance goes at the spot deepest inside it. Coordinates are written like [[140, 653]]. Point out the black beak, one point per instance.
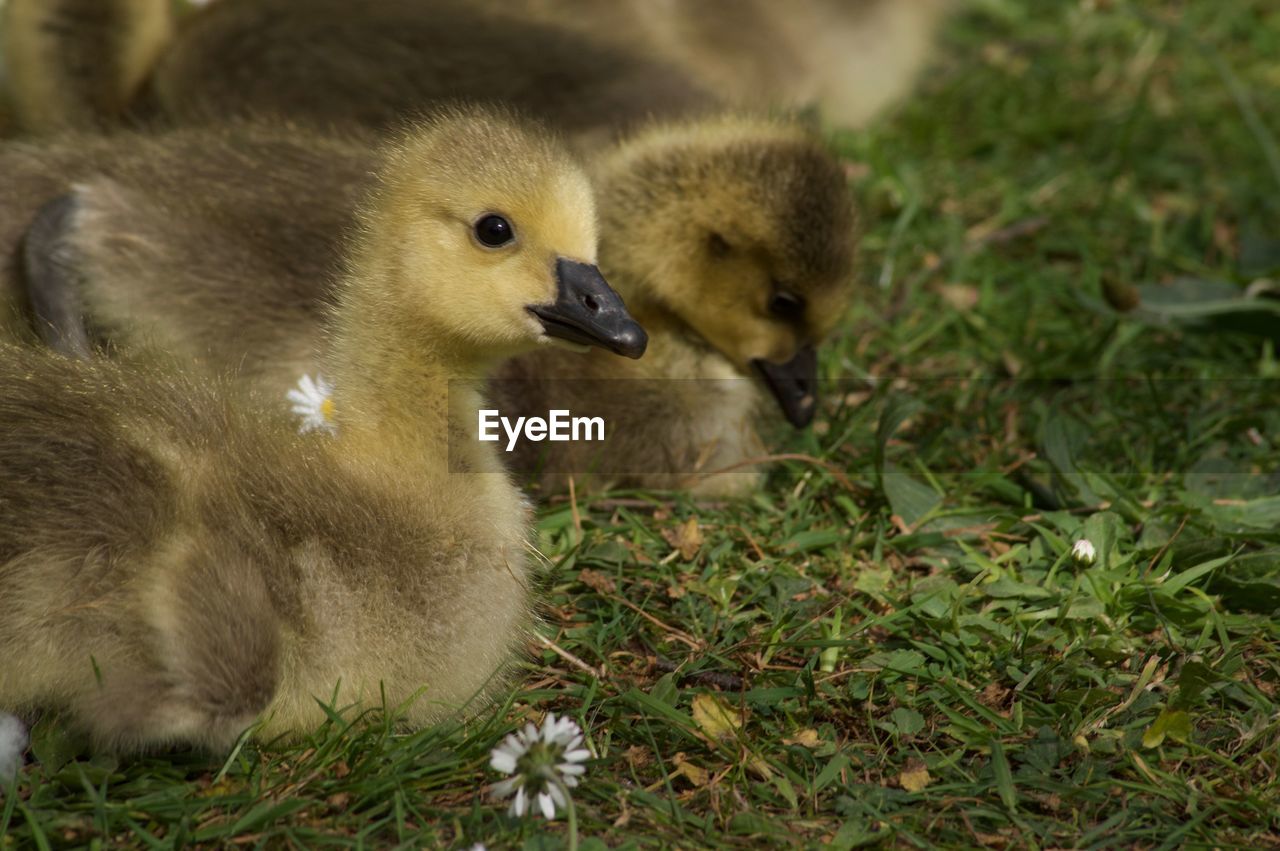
[[587, 311], [794, 384]]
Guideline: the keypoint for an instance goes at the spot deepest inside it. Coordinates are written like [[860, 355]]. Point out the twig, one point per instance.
[[569, 657], [677, 633]]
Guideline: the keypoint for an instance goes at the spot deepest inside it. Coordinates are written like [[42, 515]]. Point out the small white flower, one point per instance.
[[313, 403], [13, 741], [1083, 553], [544, 764]]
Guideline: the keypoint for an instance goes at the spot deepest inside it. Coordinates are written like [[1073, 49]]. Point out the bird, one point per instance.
[[741, 310], [850, 59], [318, 60], [217, 243], [732, 278], [79, 64], [178, 564]]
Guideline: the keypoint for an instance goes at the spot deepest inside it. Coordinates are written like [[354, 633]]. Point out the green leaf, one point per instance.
[[1210, 306], [898, 410], [1004, 776], [830, 772], [1061, 439], [907, 722], [856, 834], [1171, 723], [656, 708], [1179, 581], [1252, 515], [664, 690], [909, 498], [1193, 679], [786, 790], [53, 744], [814, 539]]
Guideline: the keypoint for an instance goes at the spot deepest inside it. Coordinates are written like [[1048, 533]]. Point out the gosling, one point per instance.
[[177, 563]]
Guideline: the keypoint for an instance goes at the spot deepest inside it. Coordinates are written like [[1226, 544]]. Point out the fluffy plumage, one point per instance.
[[706, 218], [176, 561]]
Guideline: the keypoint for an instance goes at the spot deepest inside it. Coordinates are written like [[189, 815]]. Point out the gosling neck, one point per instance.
[[403, 391]]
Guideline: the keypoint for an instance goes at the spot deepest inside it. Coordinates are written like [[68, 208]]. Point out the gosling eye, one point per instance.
[[493, 231], [787, 306]]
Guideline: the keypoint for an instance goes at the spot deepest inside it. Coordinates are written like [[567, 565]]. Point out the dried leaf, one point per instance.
[[597, 581], [915, 777], [696, 775], [807, 738], [960, 297], [715, 717], [687, 538], [757, 766], [637, 756]]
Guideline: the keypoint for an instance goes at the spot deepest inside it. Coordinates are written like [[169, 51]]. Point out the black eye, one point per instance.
[[494, 231], [786, 306]]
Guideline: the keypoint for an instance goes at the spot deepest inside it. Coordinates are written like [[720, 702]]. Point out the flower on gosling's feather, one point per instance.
[[313, 403]]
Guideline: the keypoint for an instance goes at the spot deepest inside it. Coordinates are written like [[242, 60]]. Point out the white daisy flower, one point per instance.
[[1083, 552], [544, 764], [313, 403], [13, 741]]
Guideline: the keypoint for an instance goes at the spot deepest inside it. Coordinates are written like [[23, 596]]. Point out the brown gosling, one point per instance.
[[79, 64], [581, 63], [849, 58], [320, 60], [177, 563]]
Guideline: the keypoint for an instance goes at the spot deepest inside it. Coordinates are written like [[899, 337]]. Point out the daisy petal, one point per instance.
[[503, 761], [506, 787], [557, 795], [520, 803], [548, 807]]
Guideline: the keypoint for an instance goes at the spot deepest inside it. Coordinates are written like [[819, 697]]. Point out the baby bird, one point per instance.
[[79, 63], [732, 278], [850, 58], [735, 230], [76, 61], [177, 563], [325, 61], [216, 244]]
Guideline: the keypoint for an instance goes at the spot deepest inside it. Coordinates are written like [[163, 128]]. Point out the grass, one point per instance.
[[906, 655]]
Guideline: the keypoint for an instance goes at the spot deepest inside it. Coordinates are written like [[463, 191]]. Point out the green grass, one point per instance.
[[914, 658]]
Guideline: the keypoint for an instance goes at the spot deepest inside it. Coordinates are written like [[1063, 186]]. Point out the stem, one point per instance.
[[573, 817]]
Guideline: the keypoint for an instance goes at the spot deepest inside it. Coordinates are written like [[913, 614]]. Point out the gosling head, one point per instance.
[[741, 229], [481, 238]]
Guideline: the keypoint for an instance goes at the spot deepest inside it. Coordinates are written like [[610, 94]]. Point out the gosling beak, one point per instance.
[[794, 384], [587, 311]]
